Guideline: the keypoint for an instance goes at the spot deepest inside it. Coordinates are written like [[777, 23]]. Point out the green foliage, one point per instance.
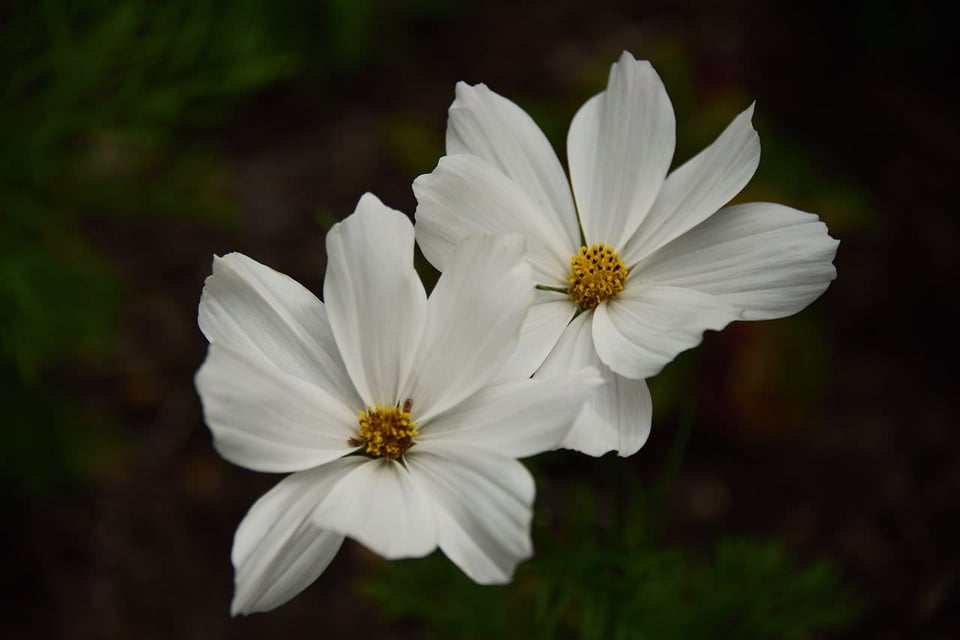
[[414, 144], [106, 112], [93, 95], [790, 173], [594, 582], [48, 440], [602, 571], [94, 104]]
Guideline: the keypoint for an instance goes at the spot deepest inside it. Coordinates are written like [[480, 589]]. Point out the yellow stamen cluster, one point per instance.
[[596, 273], [386, 431]]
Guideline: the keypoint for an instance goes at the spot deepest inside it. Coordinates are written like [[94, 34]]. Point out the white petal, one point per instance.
[[375, 300], [482, 503], [379, 505], [487, 125], [464, 195], [541, 329], [518, 418], [277, 551], [474, 316], [767, 259], [252, 308], [620, 146], [644, 328], [696, 190], [266, 420], [618, 413]]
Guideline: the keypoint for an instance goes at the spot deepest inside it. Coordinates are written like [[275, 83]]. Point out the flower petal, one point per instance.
[[516, 418], [378, 504], [618, 413], [267, 420], [277, 551], [619, 147], [464, 195], [375, 300], [698, 188], [766, 259], [474, 316], [491, 127], [541, 329], [644, 328], [482, 503], [252, 308]]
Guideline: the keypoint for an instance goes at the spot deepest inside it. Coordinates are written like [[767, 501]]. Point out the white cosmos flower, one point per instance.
[[668, 262], [431, 459]]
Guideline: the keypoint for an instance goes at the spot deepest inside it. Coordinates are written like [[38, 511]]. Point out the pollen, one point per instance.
[[386, 431], [596, 273]]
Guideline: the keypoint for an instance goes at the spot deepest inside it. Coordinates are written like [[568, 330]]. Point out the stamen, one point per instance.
[[386, 431], [596, 273]]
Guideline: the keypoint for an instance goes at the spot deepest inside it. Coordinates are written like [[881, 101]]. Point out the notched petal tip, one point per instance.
[[628, 63], [218, 264], [367, 205], [230, 260], [449, 162], [238, 607], [752, 134], [464, 89]]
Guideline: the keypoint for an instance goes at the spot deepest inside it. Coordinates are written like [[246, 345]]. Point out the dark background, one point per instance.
[[140, 139]]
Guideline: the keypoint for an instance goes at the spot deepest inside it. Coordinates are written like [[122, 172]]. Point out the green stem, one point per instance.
[[546, 287]]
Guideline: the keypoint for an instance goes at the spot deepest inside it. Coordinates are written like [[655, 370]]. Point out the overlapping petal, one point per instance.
[[379, 504], [644, 328], [277, 550], [618, 413], [375, 300], [487, 125], [516, 418], [465, 195], [767, 260], [698, 188], [474, 316], [619, 147], [252, 308], [267, 420], [482, 505], [545, 321]]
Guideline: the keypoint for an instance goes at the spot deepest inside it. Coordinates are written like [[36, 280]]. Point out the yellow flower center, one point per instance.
[[386, 431], [596, 273]]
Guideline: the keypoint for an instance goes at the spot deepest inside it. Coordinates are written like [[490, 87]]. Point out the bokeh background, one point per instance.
[[803, 476]]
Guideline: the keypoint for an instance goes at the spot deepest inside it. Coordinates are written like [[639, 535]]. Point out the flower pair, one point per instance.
[[402, 416]]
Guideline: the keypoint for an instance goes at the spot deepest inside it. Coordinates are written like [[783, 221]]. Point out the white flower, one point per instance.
[[666, 264], [287, 376]]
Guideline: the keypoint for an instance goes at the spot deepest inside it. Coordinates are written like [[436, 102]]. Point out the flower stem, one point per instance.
[[546, 287]]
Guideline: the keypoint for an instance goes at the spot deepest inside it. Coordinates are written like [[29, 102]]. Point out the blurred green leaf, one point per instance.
[[595, 575], [48, 442], [414, 144], [58, 300], [748, 589], [95, 107]]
